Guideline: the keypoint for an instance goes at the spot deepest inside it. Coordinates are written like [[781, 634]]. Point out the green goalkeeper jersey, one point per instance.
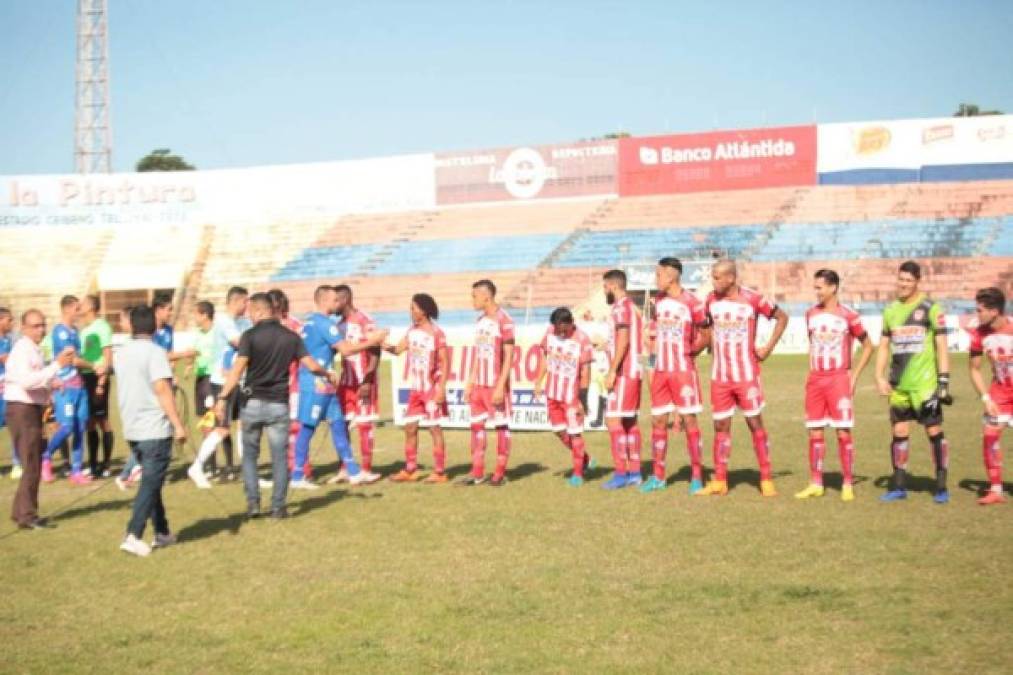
[[912, 328]]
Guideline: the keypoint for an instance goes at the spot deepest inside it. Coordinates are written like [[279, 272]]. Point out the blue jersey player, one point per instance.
[[70, 400]]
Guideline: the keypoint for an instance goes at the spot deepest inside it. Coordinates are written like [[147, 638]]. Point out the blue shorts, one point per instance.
[[70, 406], [314, 407]]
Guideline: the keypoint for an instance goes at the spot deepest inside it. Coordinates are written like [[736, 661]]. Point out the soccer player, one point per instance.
[[6, 343], [228, 327], [97, 351], [427, 366], [488, 388], [994, 338], [318, 399], [830, 387], [566, 358], [280, 304], [70, 400], [623, 382], [678, 332], [913, 343], [732, 311], [359, 389]]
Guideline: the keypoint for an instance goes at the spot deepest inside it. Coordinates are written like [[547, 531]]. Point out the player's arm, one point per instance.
[[702, 341], [780, 323], [102, 367], [978, 381], [443, 363], [499, 393], [374, 338], [622, 348], [543, 367], [398, 349], [882, 361], [372, 361], [585, 383], [863, 360]]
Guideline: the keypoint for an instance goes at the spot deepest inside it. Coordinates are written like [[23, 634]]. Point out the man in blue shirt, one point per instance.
[[6, 342], [318, 401], [70, 400], [162, 306]]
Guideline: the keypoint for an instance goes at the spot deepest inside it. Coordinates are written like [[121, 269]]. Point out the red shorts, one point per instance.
[[726, 396], [676, 392], [624, 399], [828, 400], [483, 410], [1003, 397], [356, 410], [423, 409], [568, 417]]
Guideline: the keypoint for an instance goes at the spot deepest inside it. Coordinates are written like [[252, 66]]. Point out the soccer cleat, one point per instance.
[[364, 478], [78, 478], [135, 546], [303, 484], [590, 462], [470, 481], [341, 477], [163, 540], [715, 488], [436, 478], [695, 486], [767, 488], [633, 479], [847, 493], [575, 481], [197, 476], [992, 497], [498, 481], [894, 496], [811, 490], [941, 497], [617, 482], [120, 484], [406, 476], [47, 471], [652, 484], [16, 472]]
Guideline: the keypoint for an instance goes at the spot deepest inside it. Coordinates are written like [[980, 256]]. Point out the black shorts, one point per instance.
[[98, 404], [909, 414], [202, 395], [231, 405]]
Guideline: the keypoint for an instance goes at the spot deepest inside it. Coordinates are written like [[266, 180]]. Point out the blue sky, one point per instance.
[[246, 82]]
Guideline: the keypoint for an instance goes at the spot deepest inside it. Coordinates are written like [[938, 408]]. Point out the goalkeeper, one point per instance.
[[913, 343]]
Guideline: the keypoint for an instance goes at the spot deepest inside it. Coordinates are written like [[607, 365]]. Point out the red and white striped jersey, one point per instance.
[[491, 332], [676, 324], [831, 337], [624, 313], [564, 359], [997, 345], [353, 368], [734, 338], [294, 325], [422, 363]]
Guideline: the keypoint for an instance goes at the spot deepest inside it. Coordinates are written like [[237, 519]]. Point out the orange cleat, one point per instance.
[[436, 478], [405, 476], [992, 498]]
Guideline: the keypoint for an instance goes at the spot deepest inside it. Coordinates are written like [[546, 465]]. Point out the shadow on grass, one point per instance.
[[320, 501], [209, 527], [97, 507], [912, 484], [980, 487], [751, 477]]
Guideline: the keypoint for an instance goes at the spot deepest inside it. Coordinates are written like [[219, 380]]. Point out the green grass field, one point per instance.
[[536, 576]]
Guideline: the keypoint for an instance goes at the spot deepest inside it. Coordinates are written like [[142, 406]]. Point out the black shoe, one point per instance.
[[470, 481], [498, 482], [37, 524], [253, 511], [279, 514]]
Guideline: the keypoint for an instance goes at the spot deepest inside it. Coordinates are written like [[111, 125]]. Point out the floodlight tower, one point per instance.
[[93, 136]]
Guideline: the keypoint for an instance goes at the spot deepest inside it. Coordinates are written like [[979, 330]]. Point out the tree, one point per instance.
[[162, 160], [972, 110]]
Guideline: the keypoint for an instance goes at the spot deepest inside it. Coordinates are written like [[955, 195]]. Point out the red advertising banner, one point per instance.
[[717, 160], [509, 174]]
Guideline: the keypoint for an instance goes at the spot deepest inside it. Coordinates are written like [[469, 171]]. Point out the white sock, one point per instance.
[[207, 448], [239, 442]]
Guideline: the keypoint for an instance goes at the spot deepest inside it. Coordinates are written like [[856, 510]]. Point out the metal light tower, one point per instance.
[[93, 136]]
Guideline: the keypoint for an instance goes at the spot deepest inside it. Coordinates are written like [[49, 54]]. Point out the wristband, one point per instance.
[[985, 398]]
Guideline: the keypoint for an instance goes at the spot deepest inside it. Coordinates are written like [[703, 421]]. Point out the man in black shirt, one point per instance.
[[265, 353]]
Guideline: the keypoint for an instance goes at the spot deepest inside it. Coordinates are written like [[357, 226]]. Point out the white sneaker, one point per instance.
[[364, 478], [303, 484], [197, 476], [342, 477], [264, 483], [135, 546], [120, 483], [163, 540]]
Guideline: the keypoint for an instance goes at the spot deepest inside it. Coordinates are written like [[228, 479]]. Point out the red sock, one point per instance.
[[366, 445], [695, 450], [722, 451], [439, 458], [617, 442], [411, 455], [817, 450], [659, 449], [634, 442], [846, 449], [762, 453], [993, 459], [567, 440], [478, 449], [502, 451], [577, 453]]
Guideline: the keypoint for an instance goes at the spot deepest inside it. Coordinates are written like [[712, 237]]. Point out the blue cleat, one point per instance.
[[894, 496], [653, 484], [634, 478], [942, 497], [617, 482], [695, 486], [575, 481]]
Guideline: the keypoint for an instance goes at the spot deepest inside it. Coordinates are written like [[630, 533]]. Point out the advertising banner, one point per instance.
[[718, 160], [579, 169]]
